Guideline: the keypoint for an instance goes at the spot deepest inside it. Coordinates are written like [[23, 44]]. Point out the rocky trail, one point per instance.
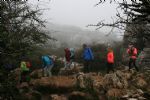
[[75, 85]]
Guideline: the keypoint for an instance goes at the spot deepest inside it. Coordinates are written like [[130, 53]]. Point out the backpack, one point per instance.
[[72, 52], [28, 64]]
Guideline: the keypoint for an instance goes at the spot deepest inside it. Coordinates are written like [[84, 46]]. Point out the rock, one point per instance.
[[115, 92], [128, 75], [115, 80], [38, 73], [141, 98], [140, 91], [141, 82], [70, 71], [57, 97], [54, 84], [135, 95], [132, 99], [23, 85], [125, 96], [80, 80], [76, 95]]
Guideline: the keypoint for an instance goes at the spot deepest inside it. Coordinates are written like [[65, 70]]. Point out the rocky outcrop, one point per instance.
[[54, 84], [122, 84]]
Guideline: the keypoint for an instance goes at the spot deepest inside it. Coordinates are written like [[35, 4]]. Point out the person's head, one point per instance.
[[66, 49], [110, 50], [84, 45], [130, 45]]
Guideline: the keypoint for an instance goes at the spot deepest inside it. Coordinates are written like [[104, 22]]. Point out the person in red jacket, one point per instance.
[[132, 51], [110, 60]]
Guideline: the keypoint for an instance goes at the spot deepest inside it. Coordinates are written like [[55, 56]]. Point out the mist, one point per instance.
[[67, 21]]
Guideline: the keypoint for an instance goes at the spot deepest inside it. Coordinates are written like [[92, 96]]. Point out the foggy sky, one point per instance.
[[76, 12]]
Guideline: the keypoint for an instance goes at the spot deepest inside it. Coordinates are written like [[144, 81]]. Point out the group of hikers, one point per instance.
[[88, 57]]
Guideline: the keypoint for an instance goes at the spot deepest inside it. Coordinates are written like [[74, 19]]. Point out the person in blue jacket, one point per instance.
[[88, 57], [47, 64]]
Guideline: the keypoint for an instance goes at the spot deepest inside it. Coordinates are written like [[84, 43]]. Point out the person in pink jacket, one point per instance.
[[132, 51], [110, 60]]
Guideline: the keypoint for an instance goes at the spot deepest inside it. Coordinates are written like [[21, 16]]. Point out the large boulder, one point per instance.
[[54, 84], [38, 73], [115, 80]]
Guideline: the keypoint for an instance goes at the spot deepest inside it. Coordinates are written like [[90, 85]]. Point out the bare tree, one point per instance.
[[135, 19]]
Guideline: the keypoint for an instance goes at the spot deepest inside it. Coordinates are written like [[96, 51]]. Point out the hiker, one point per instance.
[[140, 59], [67, 58], [110, 60], [88, 58], [72, 56], [48, 64], [25, 68], [132, 51]]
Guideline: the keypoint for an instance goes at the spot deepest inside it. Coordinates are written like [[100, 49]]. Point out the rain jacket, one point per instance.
[[87, 54], [110, 57], [67, 54], [132, 53], [47, 60]]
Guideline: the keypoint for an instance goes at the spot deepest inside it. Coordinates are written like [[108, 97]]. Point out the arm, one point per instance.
[[128, 51], [135, 51]]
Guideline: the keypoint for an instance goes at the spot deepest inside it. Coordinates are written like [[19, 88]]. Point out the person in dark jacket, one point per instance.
[[88, 58]]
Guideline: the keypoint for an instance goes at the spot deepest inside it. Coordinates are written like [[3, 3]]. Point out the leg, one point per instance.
[[65, 63], [112, 67], [134, 63], [89, 66], [68, 64], [85, 66], [130, 63], [49, 70], [45, 71], [108, 67]]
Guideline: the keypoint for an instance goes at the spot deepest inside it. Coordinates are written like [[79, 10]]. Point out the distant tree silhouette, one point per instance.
[[135, 19]]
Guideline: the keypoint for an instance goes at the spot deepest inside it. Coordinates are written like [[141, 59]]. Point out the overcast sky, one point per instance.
[[76, 12]]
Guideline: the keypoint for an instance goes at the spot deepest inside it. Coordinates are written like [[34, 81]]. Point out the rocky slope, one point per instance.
[[121, 85]]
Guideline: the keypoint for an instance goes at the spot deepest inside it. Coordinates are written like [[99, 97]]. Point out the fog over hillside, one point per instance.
[[72, 36]]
